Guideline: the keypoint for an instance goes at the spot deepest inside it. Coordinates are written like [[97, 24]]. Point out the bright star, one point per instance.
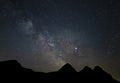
[[76, 48]]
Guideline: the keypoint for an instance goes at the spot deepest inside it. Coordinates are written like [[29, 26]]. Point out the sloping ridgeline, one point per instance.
[[12, 71]]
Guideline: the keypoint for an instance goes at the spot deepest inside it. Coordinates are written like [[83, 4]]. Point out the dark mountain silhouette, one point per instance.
[[11, 70], [86, 69], [12, 66], [67, 68]]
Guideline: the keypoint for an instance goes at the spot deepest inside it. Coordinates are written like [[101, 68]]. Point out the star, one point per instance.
[[76, 48]]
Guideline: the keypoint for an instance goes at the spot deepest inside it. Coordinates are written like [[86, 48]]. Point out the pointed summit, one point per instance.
[[86, 69], [67, 68], [98, 69], [101, 73]]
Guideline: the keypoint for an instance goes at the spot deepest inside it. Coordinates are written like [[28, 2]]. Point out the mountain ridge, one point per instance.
[[65, 73], [65, 68]]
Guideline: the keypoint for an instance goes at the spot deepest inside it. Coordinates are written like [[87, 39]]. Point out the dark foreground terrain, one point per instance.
[[12, 71]]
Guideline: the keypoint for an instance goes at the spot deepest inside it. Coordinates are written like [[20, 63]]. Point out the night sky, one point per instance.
[[45, 34]]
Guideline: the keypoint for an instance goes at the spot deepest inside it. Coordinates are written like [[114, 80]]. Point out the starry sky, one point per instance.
[[45, 34]]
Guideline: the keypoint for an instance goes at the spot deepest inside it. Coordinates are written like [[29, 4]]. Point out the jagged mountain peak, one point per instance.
[[67, 68], [86, 69], [97, 68]]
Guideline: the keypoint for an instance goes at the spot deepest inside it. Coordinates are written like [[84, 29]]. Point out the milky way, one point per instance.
[[54, 48], [46, 34]]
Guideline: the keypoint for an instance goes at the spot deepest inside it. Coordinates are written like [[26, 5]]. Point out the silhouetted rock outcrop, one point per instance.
[[12, 66], [86, 69], [100, 74], [67, 68], [11, 70]]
